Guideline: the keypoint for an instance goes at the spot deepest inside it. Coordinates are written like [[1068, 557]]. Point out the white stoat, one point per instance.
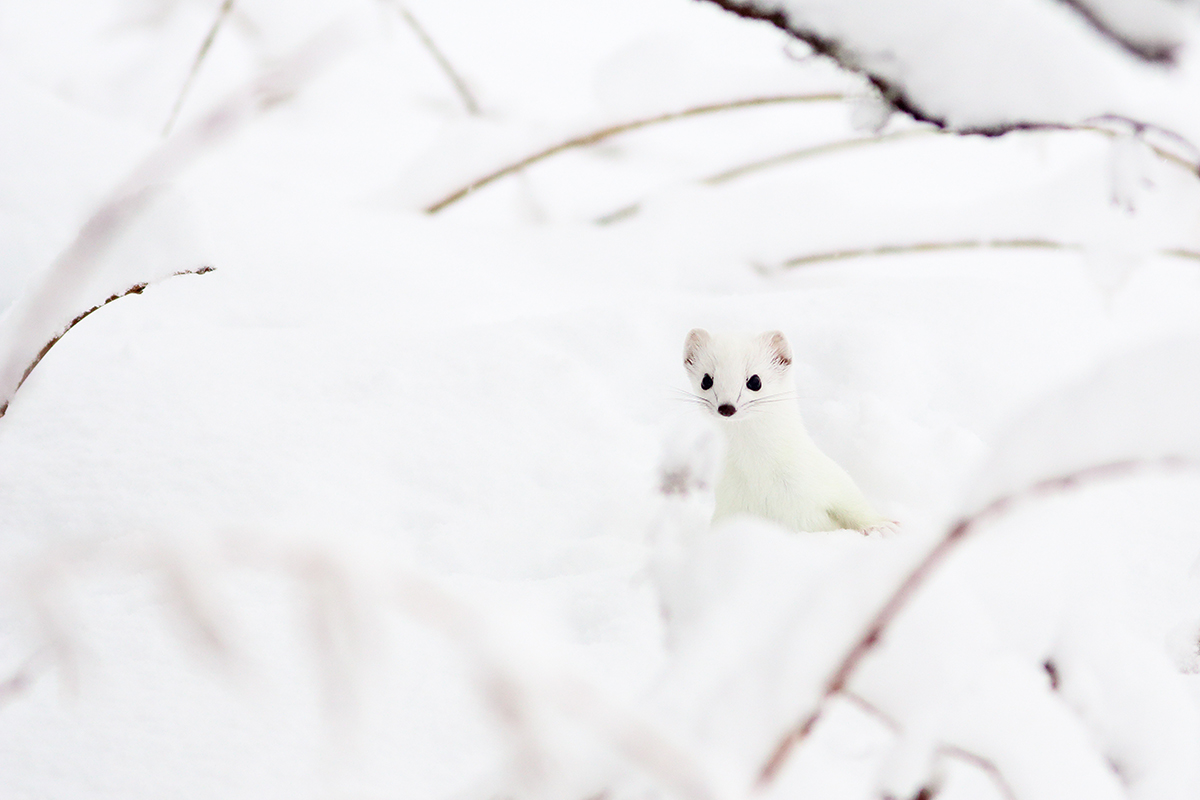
[[772, 468]]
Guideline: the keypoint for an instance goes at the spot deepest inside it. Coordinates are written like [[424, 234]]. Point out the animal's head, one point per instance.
[[736, 376]]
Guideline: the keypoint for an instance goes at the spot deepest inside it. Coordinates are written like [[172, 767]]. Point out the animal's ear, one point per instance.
[[697, 340], [777, 346]]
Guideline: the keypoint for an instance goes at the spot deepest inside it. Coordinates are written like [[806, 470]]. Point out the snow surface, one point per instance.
[[394, 504]]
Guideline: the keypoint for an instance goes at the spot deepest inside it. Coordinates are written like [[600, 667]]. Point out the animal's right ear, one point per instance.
[[777, 345], [697, 340]]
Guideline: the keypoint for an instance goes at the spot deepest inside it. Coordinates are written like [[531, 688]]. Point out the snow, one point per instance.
[[398, 504]]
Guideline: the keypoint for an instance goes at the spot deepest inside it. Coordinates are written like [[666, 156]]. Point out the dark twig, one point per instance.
[[900, 598], [460, 85], [222, 13], [624, 127], [1161, 53], [137, 288]]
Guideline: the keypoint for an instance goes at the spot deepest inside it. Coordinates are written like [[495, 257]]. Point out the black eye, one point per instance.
[[754, 384], [706, 382]]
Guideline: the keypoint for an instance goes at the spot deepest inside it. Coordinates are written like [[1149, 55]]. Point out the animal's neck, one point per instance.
[[770, 435]]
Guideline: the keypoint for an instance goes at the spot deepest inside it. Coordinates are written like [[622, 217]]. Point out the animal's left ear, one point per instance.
[[697, 341], [777, 346]]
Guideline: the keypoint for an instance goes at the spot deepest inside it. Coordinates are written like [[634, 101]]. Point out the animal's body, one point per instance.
[[773, 469]]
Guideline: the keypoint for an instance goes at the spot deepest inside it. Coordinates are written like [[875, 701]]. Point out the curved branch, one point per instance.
[[624, 127], [137, 288], [904, 593]]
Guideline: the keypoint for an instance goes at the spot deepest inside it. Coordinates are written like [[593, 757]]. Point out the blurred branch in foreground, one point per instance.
[[912, 583], [526, 695]]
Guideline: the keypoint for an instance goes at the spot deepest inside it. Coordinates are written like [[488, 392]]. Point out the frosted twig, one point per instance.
[[969, 244], [460, 85], [137, 288], [39, 313], [222, 13], [600, 135], [912, 582]]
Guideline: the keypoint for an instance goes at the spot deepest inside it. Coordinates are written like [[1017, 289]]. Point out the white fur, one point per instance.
[[772, 468]]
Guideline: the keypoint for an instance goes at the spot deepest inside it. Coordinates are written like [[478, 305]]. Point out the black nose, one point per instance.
[[726, 410]]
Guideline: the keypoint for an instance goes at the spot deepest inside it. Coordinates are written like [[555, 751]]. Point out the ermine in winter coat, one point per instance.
[[772, 468]]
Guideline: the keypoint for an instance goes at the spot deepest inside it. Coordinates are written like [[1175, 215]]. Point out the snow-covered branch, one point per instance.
[[991, 68]]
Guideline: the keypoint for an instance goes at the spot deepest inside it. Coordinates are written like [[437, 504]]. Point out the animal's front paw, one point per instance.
[[883, 530]]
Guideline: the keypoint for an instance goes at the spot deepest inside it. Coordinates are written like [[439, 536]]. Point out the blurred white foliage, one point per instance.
[[756, 619]]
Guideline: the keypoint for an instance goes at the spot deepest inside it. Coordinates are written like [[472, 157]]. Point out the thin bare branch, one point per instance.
[[600, 135], [912, 582], [1161, 53], [205, 46], [460, 85], [742, 170], [969, 244], [844, 145]]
